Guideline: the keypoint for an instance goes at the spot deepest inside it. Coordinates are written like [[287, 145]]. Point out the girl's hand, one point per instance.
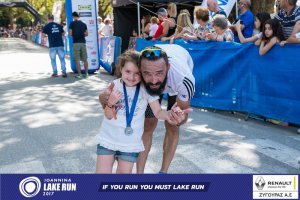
[[177, 116], [114, 98]]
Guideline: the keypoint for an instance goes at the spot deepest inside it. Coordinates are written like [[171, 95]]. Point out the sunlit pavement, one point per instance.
[[48, 125]]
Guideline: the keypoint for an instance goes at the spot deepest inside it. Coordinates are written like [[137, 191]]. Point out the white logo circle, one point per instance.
[[29, 187]]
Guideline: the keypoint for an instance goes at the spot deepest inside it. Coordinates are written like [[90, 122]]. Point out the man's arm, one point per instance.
[[292, 39]]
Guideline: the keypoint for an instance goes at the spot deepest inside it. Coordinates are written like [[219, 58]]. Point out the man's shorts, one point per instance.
[[130, 157], [79, 52], [171, 102]]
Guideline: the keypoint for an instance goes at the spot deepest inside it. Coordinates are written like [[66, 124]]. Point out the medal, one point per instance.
[[129, 115], [128, 131]]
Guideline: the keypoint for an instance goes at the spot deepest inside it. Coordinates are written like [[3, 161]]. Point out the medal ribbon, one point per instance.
[[129, 115]]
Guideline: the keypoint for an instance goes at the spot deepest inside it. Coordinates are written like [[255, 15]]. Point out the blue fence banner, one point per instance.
[[148, 186], [232, 76]]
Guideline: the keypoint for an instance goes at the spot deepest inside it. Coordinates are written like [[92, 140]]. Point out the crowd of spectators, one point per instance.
[[282, 28]]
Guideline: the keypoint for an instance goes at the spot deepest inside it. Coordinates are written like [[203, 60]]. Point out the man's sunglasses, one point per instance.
[[152, 53]]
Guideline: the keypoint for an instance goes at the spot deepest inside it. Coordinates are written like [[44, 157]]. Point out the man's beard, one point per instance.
[[157, 91]]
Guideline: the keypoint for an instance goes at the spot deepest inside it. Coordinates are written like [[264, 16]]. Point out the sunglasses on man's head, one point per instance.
[[152, 53]]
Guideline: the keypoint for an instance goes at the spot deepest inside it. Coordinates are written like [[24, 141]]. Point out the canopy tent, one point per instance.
[[126, 14]]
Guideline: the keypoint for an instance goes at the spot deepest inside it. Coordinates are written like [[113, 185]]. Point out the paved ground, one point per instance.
[[48, 125]]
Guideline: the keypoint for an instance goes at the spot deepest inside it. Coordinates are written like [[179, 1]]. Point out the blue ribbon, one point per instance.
[[129, 115]]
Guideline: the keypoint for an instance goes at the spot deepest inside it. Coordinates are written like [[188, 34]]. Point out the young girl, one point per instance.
[[153, 26], [184, 27], [121, 131], [260, 19], [272, 34]]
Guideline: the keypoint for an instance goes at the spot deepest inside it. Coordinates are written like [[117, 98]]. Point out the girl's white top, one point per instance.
[[112, 135], [152, 29]]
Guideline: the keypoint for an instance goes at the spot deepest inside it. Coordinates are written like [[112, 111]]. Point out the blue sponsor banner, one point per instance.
[[156, 186], [148, 186], [232, 76]]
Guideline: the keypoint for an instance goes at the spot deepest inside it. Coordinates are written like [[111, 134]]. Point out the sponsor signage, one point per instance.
[[275, 187]]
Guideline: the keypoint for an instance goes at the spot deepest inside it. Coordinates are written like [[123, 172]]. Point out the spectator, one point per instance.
[[100, 25], [162, 14], [289, 18], [205, 26], [167, 26], [170, 24], [260, 19], [213, 6], [107, 30], [146, 22], [223, 33], [153, 26], [272, 34], [246, 19], [184, 27], [78, 30], [55, 33]]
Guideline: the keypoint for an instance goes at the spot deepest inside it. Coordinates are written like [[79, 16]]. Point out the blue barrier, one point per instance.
[[232, 76]]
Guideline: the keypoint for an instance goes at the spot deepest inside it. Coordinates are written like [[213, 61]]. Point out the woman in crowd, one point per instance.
[[184, 27], [260, 19], [222, 32]]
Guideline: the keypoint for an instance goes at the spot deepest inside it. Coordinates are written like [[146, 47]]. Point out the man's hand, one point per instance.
[[178, 116], [103, 97]]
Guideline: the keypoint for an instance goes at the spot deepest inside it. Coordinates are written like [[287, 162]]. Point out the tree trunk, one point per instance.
[[262, 6]]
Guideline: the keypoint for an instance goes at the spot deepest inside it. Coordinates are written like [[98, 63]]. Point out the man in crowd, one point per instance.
[[78, 30], [55, 33], [289, 17], [213, 6], [246, 18], [165, 68]]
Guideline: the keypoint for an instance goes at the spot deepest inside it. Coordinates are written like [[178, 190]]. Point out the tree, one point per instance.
[[104, 8]]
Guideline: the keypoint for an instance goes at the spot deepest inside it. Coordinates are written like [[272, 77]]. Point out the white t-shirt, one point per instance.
[[180, 78], [111, 134], [100, 26], [152, 29], [107, 30]]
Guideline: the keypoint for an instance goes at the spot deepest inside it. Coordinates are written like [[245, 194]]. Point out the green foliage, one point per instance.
[[23, 17], [104, 7]]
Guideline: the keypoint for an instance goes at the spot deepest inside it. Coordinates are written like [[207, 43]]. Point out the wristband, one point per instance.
[[109, 105]]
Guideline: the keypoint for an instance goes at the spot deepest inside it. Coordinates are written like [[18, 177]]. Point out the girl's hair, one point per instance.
[[276, 27], [183, 20], [147, 19], [202, 14], [154, 20], [262, 17], [127, 56], [172, 10], [220, 21]]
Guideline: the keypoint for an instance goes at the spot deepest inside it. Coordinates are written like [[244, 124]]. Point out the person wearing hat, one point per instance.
[[100, 25], [55, 35], [162, 14]]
